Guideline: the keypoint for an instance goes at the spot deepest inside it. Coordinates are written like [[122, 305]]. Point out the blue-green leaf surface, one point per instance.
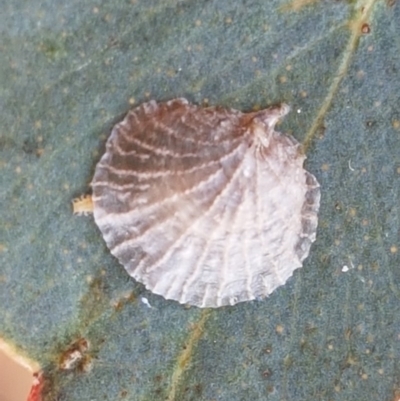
[[69, 70]]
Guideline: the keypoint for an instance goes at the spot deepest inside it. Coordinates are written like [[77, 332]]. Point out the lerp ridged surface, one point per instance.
[[206, 206]]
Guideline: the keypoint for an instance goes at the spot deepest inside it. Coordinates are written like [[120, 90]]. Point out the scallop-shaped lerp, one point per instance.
[[206, 206]]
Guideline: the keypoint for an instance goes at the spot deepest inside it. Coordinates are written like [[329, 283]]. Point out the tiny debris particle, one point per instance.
[[183, 197], [145, 301], [345, 269], [393, 249]]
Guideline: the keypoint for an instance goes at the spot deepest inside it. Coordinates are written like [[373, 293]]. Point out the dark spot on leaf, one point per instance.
[[31, 147], [158, 378], [198, 388], [7, 143], [310, 329], [52, 48], [365, 28], [338, 206]]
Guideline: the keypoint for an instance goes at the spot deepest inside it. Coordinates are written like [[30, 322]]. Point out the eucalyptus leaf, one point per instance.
[[70, 70]]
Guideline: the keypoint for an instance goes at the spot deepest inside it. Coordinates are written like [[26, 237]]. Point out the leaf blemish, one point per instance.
[[75, 356]]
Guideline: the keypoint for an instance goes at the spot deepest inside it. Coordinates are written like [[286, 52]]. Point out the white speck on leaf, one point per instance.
[[145, 301]]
